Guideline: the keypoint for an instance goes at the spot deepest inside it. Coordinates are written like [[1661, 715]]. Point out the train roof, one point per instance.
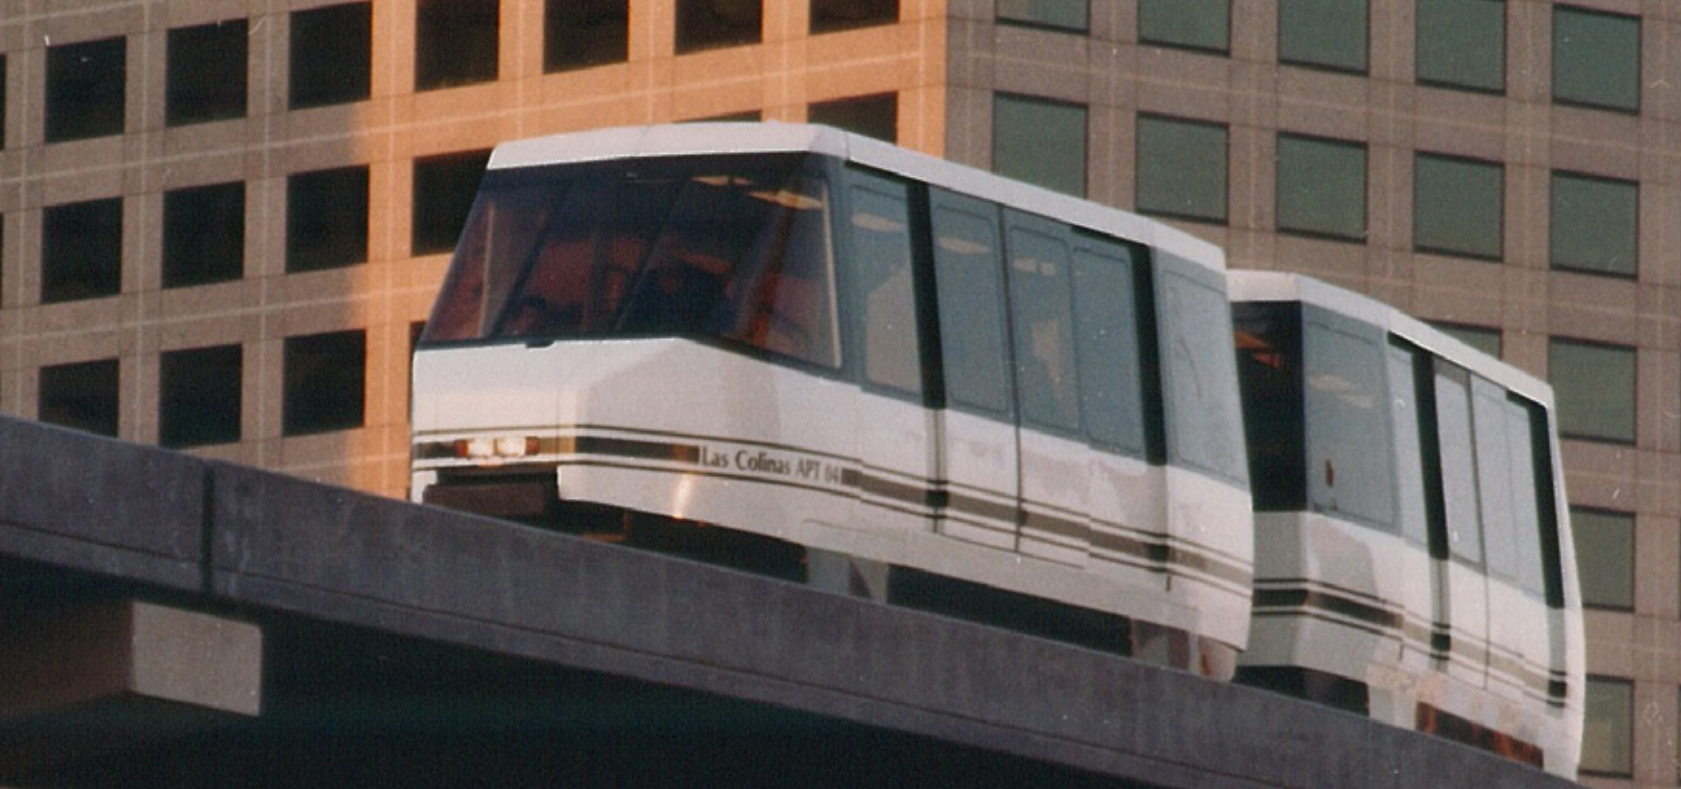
[[691, 139], [1246, 285]]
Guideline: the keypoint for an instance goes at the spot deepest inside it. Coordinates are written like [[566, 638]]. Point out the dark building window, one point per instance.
[[749, 116], [1595, 224], [1462, 44], [1596, 59], [83, 396], [324, 382], [199, 396], [203, 234], [82, 250], [1040, 142], [1060, 14], [1182, 168], [331, 55], [1322, 187], [206, 73], [1323, 33], [1608, 731], [709, 24], [326, 219], [583, 33], [1595, 389], [1458, 206], [1604, 557], [455, 42], [871, 116], [1192, 24], [828, 16], [2, 102], [1478, 337], [85, 94], [444, 187]]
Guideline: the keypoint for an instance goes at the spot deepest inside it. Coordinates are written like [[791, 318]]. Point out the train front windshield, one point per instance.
[[727, 247]]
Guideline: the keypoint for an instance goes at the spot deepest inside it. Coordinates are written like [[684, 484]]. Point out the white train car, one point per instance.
[[1414, 557], [910, 379]]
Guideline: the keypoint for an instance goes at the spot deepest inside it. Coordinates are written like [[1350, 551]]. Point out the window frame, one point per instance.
[[1553, 179], [1365, 186], [1037, 24], [1418, 56], [54, 258], [445, 42], [1019, 100], [1558, 63], [349, 19], [1632, 395], [1626, 728], [170, 364], [1500, 233], [174, 213], [178, 99], [1139, 161], [554, 61], [1223, 49], [108, 424], [1365, 66], [295, 199], [1628, 581], [295, 392], [59, 96]]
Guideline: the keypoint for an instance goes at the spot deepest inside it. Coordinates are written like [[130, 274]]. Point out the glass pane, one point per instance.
[[1596, 59], [1328, 33], [1197, 24], [1459, 480], [1043, 315], [1458, 206], [1529, 530], [1494, 479], [1205, 421], [828, 16], [1594, 386], [1106, 322], [1070, 14], [968, 274], [1604, 557], [1349, 472], [1485, 340], [1182, 168], [1607, 737], [872, 116], [1269, 360], [1462, 43], [582, 33], [881, 268], [709, 24], [1322, 187], [1406, 420], [1595, 225], [1040, 142]]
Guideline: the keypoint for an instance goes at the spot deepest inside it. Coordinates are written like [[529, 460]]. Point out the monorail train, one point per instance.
[[816, 355]]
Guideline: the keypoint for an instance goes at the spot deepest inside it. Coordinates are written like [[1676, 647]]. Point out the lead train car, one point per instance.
[[926, 381], [1414, 557]]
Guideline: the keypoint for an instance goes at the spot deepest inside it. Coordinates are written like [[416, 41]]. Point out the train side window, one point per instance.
[[969, 278], [1494, 478], [1042, 310], [883, 282], [1199, 380], [1533, 479], [1269, 364], [1459, 469], [1105, 323], [1408, 420], [1349, 468]]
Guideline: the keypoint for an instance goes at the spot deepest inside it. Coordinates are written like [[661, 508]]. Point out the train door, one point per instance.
[[979, 449], [1413, 413], [1464, 591], [1519, 655], [896, 431]]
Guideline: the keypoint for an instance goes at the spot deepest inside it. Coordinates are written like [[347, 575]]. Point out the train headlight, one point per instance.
[[495, 448]]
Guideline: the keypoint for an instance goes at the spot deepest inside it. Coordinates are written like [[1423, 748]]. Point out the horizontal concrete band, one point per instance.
[[225, 536]]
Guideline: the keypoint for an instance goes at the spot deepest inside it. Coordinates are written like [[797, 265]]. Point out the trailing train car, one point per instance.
[[827, 357], [1414, 560]]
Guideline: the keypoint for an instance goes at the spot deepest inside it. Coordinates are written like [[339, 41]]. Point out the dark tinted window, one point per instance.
[[326, 219], [82, 250], [1349, 456], [455, 42], [1322, 187], [1459, 469], [1106, 337], [207, 73], [331, 55], [1458, 206], [1608, 731], [444, 187], [968, 274], [1462, 44], [583, 33], [1323, 33], [884, 283], [1485, 340], [1195, 24], [203, 234], [82, 396], [872, 116], [324, 382], [1595, 224], [1269, 365], [1604, 557], [828, 16], [85, 89], [199, 396], [1181, 168], [1042, 313], [1595, 387], [1596, 59], [709, 24], [1065, 14], [1040, 142]]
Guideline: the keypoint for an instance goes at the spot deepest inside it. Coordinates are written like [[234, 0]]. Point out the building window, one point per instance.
[[1596, 59], [1607, 732], [1595, 224], [828, 16], [1594, 386], [326, 219], [872, 116], [203, 235], [1458, 206], [583, 33], [207, 73], [444, 187], [1040, 142], [331, 55], [1059, 14], [710, 24], [455, 42], [2, 102], [82, 250], [1462, 44], [1322, 187], [85, 93], [1192, 24], [1181, 168], [82, 396], [1323, 34], [1482, 339], [1604, 557], [199, 396], [324, 382]]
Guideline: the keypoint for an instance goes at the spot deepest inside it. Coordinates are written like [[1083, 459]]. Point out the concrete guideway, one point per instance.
[[246, 597]]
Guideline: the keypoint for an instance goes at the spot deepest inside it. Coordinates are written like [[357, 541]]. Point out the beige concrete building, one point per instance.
[[222, 221]]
